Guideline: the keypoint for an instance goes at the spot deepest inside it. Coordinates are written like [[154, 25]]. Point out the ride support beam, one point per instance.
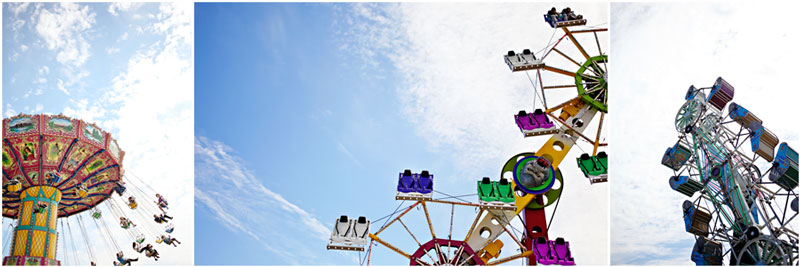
[[560, 71], [597, 139], [35, 236], [398, 217], [592, 30], [572, 38], [511, 258], [535, 227]]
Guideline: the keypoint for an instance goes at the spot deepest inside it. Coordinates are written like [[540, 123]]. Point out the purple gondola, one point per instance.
[[721, 94]]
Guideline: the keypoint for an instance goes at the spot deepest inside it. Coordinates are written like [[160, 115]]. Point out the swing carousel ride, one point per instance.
[[528, 182], [742, 191], [60, 171]]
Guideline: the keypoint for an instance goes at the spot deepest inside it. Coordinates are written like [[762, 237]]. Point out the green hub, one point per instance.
[[592, 84]]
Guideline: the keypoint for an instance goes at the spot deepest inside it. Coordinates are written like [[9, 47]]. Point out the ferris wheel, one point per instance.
[[740, 180], [528, 182]]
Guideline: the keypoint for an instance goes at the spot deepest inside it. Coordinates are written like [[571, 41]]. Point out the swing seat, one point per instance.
[[125, 226], [685, 185], [696, 219], [349, 234], [594, 167], [534, 124], [542, 248], [140, 240], [675, 157], [414, 186], [763, 141], [495, 195], [133, 205], [784, 168], [159, 241], [721, 94], [563, 253], [521, 62], [169, 228], [707, 252], [82, 193], [96, 215], [119, 189]]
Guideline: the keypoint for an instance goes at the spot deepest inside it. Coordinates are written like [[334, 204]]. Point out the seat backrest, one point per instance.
[[425, 183]]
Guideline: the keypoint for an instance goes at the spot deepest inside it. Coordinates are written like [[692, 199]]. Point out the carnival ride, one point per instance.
[[528, 182], [59, 171], [737, 209]]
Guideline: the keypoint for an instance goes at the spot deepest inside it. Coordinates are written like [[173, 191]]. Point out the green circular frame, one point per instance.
[[579, 82]]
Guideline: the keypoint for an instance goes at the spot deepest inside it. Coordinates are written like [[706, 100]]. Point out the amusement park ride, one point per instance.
[[529, 181], [739, 210], [58, 171]]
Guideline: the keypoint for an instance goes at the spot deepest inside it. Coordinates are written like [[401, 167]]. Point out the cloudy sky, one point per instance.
[[128, 68], [659, 51], [309, 111]]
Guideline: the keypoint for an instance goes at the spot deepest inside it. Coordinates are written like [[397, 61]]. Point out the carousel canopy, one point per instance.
[[76, 157]]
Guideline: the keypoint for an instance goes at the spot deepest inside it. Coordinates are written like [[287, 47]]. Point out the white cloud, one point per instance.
[[23, 48], [112, 50], [44, 70], [461, 97], [118, 7], [224, 184], [10, 112], [17, 8], [82, 109], [62, 86], [64, 29]]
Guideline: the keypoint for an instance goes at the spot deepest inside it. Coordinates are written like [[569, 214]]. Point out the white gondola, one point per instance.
[[349, 234], [524, 61]]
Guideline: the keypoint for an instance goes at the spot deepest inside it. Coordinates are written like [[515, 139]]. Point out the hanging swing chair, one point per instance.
[[96, 214]]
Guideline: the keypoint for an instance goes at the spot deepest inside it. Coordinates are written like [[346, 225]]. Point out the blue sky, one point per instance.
[[309, 111], [126, 67], [667, 55]]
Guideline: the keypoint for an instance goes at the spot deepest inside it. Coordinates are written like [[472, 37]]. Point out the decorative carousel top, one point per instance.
[[77, 157]]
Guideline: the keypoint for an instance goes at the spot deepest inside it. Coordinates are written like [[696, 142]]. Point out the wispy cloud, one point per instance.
[[347, 153], [240, 201]]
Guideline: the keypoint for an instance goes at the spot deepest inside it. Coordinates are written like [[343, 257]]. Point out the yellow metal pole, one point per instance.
[[597, 139], [398, 217], [566, 30]]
